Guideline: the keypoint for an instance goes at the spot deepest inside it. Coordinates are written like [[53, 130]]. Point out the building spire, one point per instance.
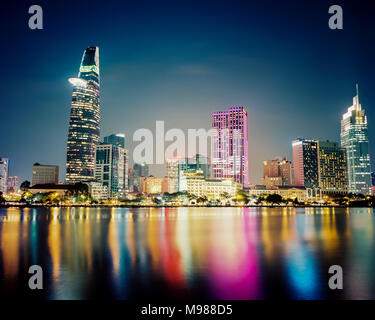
[[356, 87]]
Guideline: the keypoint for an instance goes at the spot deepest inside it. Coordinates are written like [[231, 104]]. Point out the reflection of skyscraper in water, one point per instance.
[[230, 145], [84, 119]]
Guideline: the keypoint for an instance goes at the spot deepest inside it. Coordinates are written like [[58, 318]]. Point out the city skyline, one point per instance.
[[271, 129]]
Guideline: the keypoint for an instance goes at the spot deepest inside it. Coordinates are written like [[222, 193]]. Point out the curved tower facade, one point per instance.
[[84, 124]]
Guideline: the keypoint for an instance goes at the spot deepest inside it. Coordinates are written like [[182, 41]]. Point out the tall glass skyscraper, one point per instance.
[[230, 145], [354, 138], [84, 119]]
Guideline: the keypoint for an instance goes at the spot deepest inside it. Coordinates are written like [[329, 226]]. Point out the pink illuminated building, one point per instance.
[[230, 145]]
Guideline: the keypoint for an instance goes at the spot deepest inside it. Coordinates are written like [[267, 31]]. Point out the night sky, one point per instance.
[[178, 61]]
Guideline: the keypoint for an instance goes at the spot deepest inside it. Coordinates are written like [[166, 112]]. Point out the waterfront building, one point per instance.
[[188, 166], [4, 168], [299, 193], [333, 167], [271, 182], [140, 170], [213, 189], [109, 167], [13, 184], [354, 138], [230, 145], [60, 189], [84, 123], [306, 163], [152, 185], [45, 174], [98, 191]]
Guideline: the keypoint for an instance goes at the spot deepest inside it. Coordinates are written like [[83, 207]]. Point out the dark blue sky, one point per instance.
[[178, 61]]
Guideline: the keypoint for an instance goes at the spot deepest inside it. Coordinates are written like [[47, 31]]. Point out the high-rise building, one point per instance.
[[332, 165], [118, 140], [172, 173], [110, 160], [306, 163], [131, 179], [45, 174], [140, 170], [230, 145], [277, 172], [4, 162], [354, 138], [84, 124]]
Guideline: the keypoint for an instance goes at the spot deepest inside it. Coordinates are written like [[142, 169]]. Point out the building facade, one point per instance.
[[306, 163], [45, 174], [277, 172], [84, 123], [230, 145], [354, 138], [189, 166], [333, 167], [140, 170], [4, 168], [109, 167], [13, 184]]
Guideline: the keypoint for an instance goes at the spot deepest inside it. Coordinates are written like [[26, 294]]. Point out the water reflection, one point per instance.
[[213, 253]]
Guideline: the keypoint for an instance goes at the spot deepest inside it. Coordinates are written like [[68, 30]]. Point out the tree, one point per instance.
[[2, 199], [274, 198], [25, 185]]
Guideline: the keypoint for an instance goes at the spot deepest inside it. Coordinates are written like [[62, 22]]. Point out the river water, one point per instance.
[[187, 253]]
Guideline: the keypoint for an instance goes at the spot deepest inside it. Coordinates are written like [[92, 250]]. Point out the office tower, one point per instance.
[[4, 163], [172, 174], [13, 184], [271, 168], [332, 166], [109, 167], [131, 179], [188, 166], [116, 139], [306, 163], [230, 145], [45, 174], [84, 119], [140, 170], [285, 169], [277, 172], [354, 138]]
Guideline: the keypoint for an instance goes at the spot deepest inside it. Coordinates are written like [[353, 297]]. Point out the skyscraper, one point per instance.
[[84, 119], [306, 163], [230, 145], [45, 174], [332, 165], [354, 138], [140, 170], [109, 167], [3, 174]]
